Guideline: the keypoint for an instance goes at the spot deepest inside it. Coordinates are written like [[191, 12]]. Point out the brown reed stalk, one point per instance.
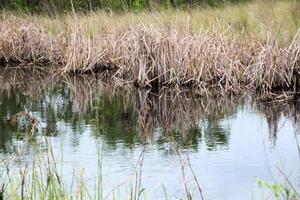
[[213, 60]]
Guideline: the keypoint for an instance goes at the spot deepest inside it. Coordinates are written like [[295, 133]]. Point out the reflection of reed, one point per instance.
[[34, 80], [31, 81], [167, 112], [172, 112], [274, 111], [83, 90]]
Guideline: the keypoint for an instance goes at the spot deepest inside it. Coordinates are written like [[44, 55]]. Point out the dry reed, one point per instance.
[[213, 59]]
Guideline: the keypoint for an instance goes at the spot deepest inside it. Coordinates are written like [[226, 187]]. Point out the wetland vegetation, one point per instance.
[[106, 99], [244, 47]]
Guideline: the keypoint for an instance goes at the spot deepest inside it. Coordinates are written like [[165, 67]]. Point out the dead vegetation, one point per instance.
[[215, 59]]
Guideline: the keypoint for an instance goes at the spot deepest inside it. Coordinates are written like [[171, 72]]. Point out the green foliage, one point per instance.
[[278, 190], [138, 4], [86, 5]]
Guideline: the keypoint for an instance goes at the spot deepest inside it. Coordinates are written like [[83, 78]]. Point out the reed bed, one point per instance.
[[217, 58]]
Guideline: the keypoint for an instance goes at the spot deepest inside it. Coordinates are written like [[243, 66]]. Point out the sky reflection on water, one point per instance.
[[231, 142]]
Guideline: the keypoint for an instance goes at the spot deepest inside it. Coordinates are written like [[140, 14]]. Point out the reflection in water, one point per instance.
[[274, 111], [184, 115], [115, 113], [123, 114], [84, 109]]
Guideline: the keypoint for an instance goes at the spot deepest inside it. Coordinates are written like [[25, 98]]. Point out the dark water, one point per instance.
[[231, 142]]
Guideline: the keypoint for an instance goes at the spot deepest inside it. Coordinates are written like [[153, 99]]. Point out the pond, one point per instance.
[[230, 143]]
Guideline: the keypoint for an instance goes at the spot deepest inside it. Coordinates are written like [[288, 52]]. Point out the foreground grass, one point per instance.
[[42, 179], [247, 47]]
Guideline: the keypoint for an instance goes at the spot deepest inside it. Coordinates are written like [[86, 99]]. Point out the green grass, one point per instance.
[[41, 180]]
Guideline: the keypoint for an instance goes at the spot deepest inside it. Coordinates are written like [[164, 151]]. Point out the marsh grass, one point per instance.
[[226, 50]]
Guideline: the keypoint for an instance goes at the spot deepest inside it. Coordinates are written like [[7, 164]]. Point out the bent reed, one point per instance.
[[220, 54]]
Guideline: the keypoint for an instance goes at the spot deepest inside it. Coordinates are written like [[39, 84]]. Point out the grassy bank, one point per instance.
[[254, 46]]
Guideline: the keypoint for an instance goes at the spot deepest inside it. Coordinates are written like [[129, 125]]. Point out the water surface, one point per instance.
[[231, 142]]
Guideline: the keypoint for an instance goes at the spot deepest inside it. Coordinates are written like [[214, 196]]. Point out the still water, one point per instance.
[[231, 142]]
